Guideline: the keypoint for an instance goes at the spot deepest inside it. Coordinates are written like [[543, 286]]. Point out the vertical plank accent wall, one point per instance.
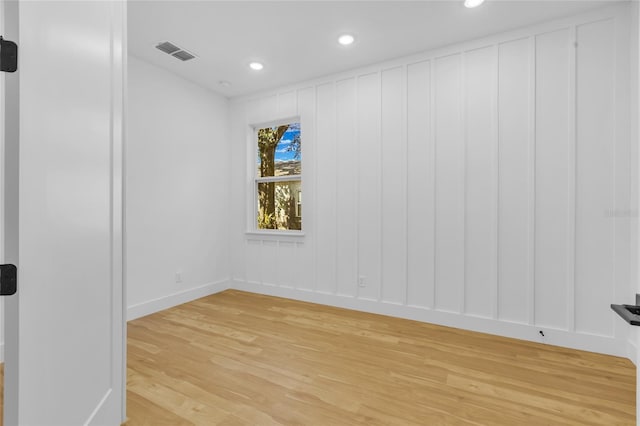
[[482, 186]]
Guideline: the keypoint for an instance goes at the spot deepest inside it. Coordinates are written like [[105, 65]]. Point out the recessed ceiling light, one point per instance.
[[256, 66], [346, 39], [472, 3]]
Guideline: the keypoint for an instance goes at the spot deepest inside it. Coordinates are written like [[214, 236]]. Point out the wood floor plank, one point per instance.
[[151, 414], [254, 359]]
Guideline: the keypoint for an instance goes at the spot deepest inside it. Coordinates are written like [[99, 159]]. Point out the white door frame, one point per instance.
[[9, 208]]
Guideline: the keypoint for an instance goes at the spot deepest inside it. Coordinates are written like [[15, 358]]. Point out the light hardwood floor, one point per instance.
[[245, 359], [242, 359]]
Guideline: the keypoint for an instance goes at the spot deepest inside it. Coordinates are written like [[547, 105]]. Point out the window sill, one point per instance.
[[276, 235]]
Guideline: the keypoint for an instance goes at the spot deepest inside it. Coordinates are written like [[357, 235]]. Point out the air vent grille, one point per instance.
[[167, 47], [175, 51], [183, 55]]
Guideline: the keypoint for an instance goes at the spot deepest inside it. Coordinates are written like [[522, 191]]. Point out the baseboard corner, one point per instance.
[[165, 302]]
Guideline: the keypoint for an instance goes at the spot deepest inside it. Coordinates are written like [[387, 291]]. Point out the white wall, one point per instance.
[[177, 208], [482, 186], [634, 335]]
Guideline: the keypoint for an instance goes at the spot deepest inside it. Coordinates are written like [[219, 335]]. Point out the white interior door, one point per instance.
[[64, 330]]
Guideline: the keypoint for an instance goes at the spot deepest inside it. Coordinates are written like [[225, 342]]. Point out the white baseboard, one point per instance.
[[632, 352], [165, 302], [574, 340], [563, 338]]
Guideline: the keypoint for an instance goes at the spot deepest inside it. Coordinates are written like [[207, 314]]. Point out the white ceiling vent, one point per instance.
[[175, 51], [183, 55]]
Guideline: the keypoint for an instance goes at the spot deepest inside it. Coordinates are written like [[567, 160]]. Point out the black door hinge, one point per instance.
[[8, 280], [8, 55]]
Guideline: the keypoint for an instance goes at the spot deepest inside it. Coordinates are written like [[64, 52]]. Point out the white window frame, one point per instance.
[[252, 218]]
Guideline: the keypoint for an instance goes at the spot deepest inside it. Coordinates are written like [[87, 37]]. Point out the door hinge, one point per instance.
[[8, 55], [8, 280]]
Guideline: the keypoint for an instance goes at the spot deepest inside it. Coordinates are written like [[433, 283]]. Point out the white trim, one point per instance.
[[2, 132], [572, 179], [171, 300], [284, 178], [580, 341], [632, 352], [252, 142], [280, 235], [10, 20], [96, 412], [275, 122], [125, 115], [531, 182], [115, 399], [2, 184]]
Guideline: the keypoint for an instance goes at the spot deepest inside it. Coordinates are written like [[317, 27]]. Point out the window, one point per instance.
[[278, 181]]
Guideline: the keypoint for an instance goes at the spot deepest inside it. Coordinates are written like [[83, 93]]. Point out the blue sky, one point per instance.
[[281, 149], [285, 142]]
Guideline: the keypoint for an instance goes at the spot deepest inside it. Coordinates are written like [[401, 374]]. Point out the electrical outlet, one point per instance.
[[362, 281], [178, 277]]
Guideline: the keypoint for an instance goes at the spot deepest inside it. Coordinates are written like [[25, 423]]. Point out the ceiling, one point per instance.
[[297, 40]]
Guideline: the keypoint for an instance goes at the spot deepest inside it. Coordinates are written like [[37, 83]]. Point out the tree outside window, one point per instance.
[[278, 177]]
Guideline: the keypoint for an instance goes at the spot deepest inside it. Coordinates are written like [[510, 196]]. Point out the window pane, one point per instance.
[[280, 205], [279, 150]]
